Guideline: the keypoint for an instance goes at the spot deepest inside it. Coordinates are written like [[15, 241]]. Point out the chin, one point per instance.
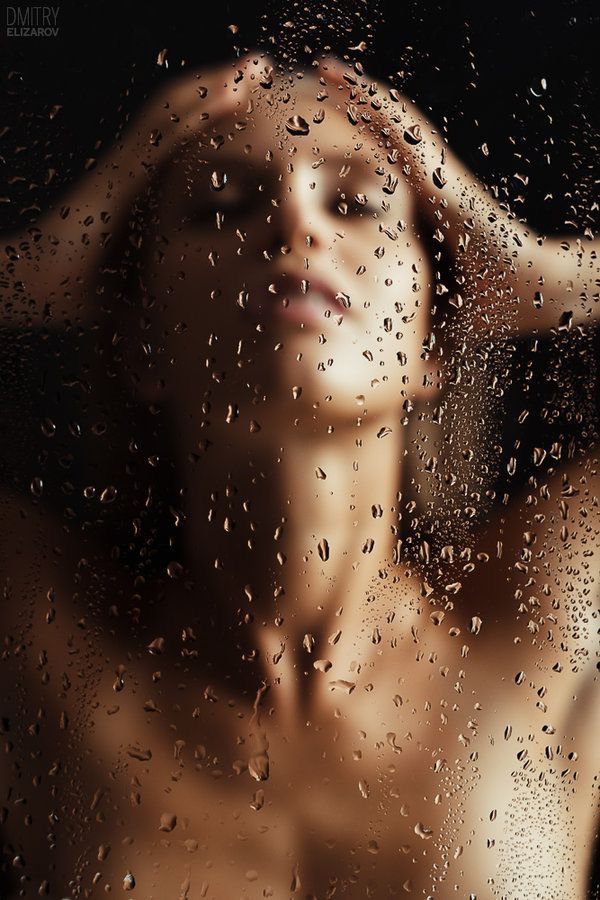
[[341, 393]]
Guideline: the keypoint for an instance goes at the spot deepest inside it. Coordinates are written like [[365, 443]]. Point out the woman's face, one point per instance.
[[286, 264]]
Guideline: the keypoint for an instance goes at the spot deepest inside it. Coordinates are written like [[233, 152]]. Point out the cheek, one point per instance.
[[396, 313], [199, 283]]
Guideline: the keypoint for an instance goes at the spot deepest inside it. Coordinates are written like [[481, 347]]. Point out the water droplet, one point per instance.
[[413, 135], [174, 569], [439, 179], [322, 665], [37, 486], [168, 821], [218, 180], [258, 766], [323, 548], [297, 125], [475, 625], [48, 428], [539, 87]]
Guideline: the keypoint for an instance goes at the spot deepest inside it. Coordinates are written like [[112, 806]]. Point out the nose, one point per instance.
[[301, 218]]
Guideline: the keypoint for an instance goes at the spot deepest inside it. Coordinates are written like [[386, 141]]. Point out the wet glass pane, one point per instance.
[[300, 518]]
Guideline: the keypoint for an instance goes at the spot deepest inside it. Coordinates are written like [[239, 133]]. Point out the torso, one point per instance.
[[413, 765]]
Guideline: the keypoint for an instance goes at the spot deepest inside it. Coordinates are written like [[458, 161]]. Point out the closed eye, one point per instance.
[[357, 204], [234, 197]]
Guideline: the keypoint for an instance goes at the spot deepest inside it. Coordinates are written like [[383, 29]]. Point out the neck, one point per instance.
[[286, 519]]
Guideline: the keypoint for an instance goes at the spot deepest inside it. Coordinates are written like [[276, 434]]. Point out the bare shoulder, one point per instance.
[[551, 536], [547, 544]]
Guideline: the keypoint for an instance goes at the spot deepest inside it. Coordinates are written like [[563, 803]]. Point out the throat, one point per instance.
[[290, 529]]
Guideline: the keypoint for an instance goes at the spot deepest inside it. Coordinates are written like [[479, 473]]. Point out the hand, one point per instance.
[[502, 269], [50, 266]]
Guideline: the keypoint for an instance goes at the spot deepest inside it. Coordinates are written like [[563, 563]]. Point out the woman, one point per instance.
[[313, 690]]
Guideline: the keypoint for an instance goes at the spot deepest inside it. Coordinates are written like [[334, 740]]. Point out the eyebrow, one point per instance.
[[357, 166]]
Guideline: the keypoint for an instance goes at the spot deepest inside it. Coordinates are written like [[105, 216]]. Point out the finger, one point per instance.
[[487, 245], [434, 172], [183, 108], [71, 241], [392, 118]]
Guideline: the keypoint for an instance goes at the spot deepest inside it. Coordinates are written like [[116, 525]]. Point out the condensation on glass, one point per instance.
[[300, 508]]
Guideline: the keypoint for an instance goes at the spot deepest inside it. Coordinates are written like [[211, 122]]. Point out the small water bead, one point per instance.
[[168, 821], [37, 486], [538, 87], [48, 428], [218, 180]]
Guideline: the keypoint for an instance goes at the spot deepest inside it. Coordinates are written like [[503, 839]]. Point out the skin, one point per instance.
[[393, 763]]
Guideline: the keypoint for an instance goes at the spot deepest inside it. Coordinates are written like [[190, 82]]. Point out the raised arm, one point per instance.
[[546, 283], [48, 267]]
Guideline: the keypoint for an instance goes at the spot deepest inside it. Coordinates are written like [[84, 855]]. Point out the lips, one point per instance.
[[301, 301]]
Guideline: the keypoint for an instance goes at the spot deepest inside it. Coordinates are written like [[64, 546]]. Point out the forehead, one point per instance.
[[302, 120]]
